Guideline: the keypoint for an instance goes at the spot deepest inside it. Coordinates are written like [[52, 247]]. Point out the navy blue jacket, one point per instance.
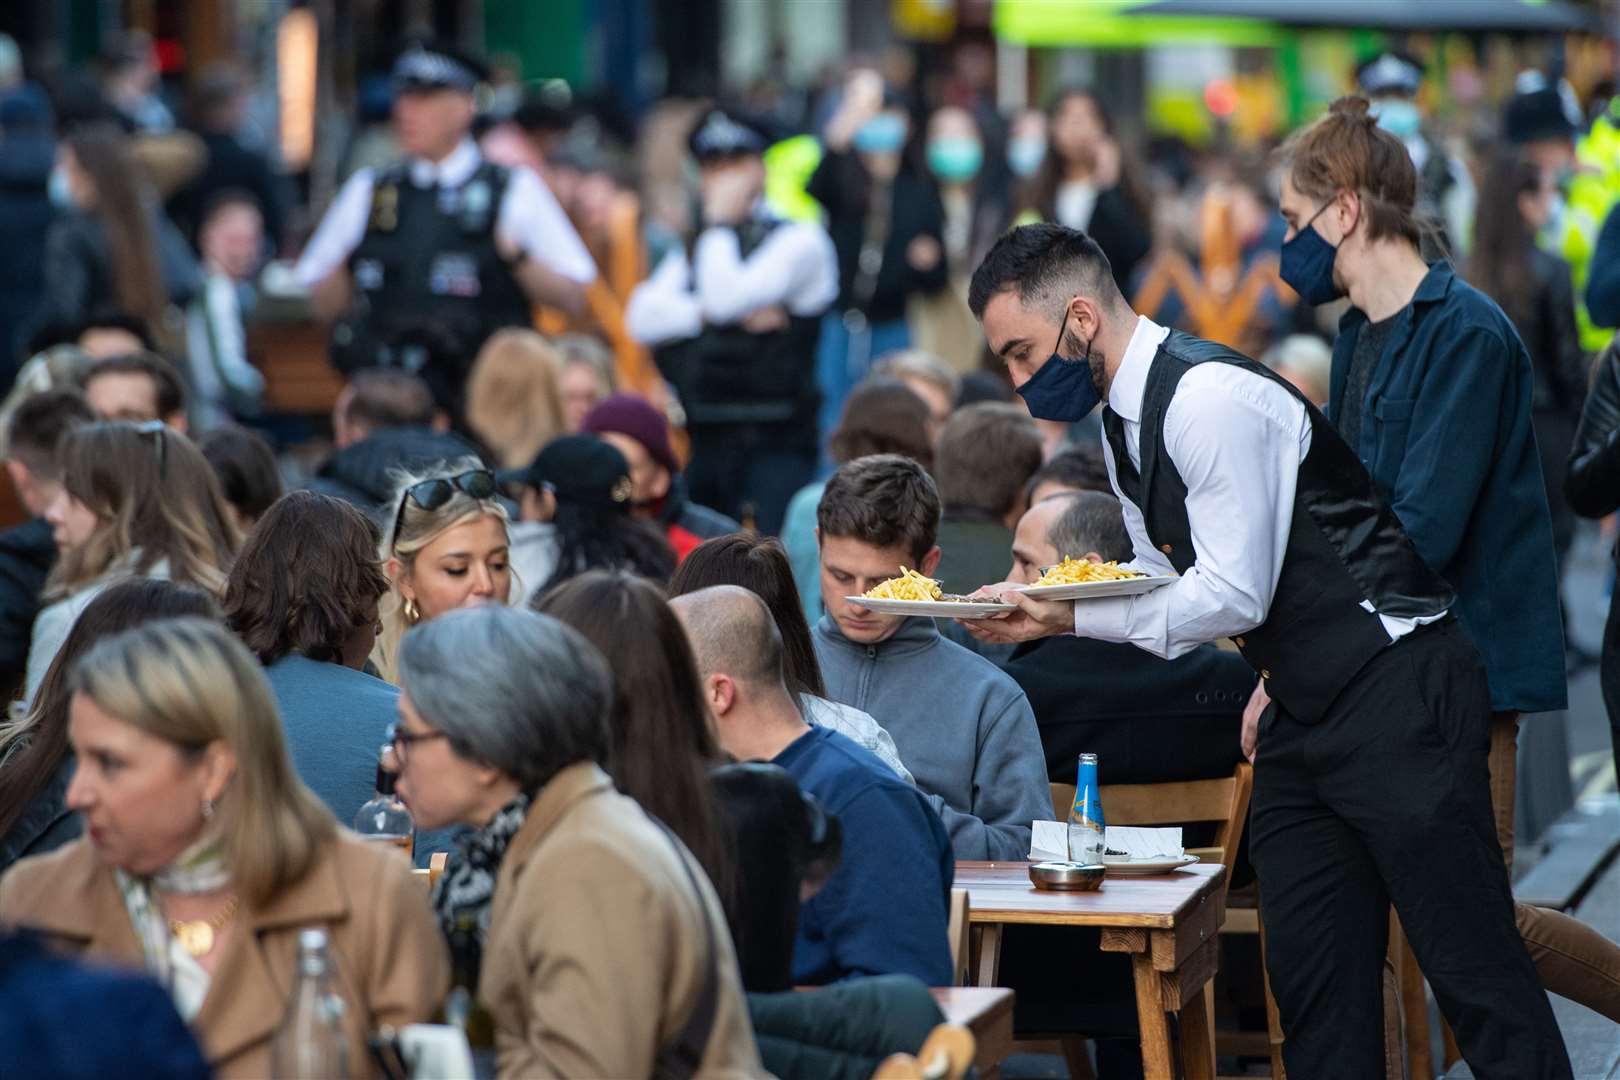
[[885, 910], [1445, 432], [63, 1018]]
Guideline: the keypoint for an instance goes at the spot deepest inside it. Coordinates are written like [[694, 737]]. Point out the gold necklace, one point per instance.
[[196, 936]]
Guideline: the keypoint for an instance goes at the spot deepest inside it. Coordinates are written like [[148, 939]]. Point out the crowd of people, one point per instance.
[[606, 478]]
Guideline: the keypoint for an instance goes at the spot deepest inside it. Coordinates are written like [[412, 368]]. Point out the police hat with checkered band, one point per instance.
[[721, 133], [437, 65]]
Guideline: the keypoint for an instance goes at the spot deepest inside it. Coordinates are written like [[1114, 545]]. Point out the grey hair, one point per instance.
[[920, 364], [512, 689], [1093, 521]]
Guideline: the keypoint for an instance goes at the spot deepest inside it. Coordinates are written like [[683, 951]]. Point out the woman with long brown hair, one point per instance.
[[1090, 181], [115, 249], [1534, 288], [36, 759], [137, 500], [661, 744]]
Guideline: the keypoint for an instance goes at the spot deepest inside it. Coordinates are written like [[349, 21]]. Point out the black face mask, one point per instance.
[[1062, 389]]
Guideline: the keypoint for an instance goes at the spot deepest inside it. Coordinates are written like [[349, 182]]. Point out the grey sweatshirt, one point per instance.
[[962, 726]]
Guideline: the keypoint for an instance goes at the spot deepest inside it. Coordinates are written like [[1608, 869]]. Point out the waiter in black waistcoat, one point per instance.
[[1370, 780], [442, 242]]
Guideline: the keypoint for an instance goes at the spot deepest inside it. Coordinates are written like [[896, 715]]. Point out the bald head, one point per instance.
[[1032, 540], [732, 634]]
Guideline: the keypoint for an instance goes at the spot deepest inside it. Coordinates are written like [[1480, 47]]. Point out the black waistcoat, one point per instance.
[[731, 375], [428, 254], [1344, 545]]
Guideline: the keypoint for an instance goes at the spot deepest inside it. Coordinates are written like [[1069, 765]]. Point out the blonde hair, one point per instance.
[[416, 529], [512, 399], [151, 490], [190, 683]]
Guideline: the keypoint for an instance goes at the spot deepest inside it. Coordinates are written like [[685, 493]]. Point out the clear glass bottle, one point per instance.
[[1087, 828], [310, 1041], [385, 818]]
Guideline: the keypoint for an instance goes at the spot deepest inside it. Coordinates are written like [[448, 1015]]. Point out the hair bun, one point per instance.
[[1352, 106]]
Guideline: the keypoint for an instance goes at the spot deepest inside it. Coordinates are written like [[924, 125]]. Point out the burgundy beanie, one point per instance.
[[630, 415]]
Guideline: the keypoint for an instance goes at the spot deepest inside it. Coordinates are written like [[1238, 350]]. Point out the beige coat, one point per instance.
[[595, 954], [392, 967]]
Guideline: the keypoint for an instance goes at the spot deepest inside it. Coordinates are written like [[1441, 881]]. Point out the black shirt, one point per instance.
[[1363, 361], [845, 189]]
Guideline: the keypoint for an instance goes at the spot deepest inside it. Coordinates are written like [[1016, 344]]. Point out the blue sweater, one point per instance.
[[336, 720], [962, 726], [886, 909], [1446, 435]]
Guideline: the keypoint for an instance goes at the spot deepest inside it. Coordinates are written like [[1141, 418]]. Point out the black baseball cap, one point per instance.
[[577, 468]]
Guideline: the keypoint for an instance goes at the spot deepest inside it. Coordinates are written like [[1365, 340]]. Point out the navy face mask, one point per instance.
[[1307, 264], [1062, 389]]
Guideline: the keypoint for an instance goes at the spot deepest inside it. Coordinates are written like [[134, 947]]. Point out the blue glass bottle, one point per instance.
[[1087, 828]]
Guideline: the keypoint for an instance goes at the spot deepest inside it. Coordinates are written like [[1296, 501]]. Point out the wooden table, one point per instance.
[[988, 1013], [1167, 923]]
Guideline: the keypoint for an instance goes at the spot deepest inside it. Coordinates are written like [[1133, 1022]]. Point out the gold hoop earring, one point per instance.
[[413, 614]]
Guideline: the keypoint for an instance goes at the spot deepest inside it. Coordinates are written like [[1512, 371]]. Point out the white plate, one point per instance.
[[1125, 866], [1092, 590], [936, 609]]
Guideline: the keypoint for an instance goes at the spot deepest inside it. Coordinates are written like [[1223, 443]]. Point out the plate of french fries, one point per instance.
[[1081, 579], [913, 593]]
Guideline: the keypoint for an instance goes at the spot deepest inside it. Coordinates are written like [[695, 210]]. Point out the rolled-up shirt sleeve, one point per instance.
[[795, 267], [663, 308], [1237, 441], [532, 217]]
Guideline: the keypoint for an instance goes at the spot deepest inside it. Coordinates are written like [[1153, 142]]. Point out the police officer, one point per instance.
[[733, 323], [1446, 195], [441, 238]]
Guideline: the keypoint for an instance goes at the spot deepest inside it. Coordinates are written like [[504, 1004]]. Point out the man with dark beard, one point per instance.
[[1370, 781]]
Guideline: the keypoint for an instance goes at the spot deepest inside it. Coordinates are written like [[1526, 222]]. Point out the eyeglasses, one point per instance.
[[402, 740], [155, 428], [431, 494]]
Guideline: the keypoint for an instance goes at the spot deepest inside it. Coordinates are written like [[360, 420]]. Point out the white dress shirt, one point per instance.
[[795, 266], [529, 216], [1236, 439]]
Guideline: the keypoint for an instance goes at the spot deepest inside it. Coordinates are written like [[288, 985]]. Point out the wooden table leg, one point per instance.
[[989, 965], [1198, 1036], [1156, 1060]]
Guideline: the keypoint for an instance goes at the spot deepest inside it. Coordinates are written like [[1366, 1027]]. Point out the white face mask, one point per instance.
[[61, 193], [1553, 231]]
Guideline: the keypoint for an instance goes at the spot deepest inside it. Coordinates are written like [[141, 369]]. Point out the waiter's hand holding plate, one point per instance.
[[1032, 619]]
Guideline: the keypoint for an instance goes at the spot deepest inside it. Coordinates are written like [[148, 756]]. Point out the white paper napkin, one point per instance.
[[1049, 841], [436, 1051], [1140, 843]]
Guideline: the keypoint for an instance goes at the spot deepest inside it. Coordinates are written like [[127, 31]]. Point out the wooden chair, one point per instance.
[[429, 875], [1225, 802], [958, 931], [946, 1055]]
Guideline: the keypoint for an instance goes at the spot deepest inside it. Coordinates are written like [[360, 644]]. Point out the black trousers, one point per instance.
[[1387, 798]]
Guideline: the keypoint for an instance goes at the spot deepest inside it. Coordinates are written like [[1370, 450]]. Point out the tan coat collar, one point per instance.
[[576, 782], [249, 988]]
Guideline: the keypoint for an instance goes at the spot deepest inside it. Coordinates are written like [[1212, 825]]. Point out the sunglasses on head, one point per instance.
[[156, 429], [431, 494]]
